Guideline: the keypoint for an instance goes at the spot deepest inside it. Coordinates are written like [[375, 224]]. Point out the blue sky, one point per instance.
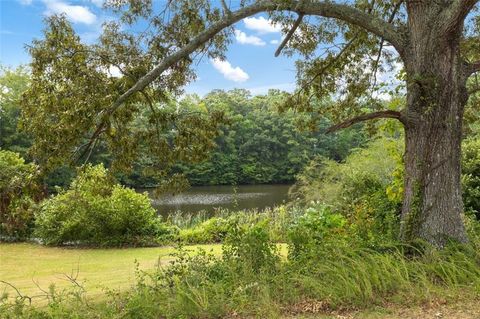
[[250, 62]]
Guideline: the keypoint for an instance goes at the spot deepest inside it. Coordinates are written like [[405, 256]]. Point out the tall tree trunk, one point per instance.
[[436, 96]]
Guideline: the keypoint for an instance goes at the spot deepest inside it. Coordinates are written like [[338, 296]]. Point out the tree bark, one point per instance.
[[436, 96]]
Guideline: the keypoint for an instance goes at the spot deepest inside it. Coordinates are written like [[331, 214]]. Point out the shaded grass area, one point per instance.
[[459, 309], [26, 265]]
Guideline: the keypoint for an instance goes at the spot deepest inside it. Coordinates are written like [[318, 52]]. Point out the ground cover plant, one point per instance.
[[328, 264]]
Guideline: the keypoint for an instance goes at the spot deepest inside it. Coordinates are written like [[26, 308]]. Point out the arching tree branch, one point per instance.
[[326, 9], [456, 14], [346, 13], [365, 117]]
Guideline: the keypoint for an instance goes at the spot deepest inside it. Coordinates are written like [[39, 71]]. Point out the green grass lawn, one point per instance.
[[26, 265]]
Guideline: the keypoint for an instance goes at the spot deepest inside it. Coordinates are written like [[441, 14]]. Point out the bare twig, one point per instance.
[[226, 9], [328, 65], [20, 295], [382, 41], [289, 34]]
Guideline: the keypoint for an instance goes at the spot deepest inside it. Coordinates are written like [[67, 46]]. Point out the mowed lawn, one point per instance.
[[27, 265]]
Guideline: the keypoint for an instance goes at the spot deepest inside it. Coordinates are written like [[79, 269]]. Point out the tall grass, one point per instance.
[[203, 227], [251, 279], [359, 277]]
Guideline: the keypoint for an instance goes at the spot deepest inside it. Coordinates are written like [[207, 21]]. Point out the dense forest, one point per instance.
[[261, 145], [256, 144]]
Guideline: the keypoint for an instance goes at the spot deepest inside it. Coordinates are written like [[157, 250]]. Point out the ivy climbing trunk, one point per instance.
[[436, 96]]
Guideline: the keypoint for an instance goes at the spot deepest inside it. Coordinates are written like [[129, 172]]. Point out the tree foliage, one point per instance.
[[471, 175], [19, 190], [13, 82], [366, 188], [254, 142], [346, 48], [72, 91], [259, 145], [83, 108]]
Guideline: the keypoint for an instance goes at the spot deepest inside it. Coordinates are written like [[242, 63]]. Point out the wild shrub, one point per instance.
[[18, 192], [317, 227], [202, 285], [471, 175], [212, 230], [97, 211], [367, 189], [250, 247], [204, 228]]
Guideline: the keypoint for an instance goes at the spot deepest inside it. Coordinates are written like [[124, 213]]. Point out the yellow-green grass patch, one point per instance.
[[26, 265]]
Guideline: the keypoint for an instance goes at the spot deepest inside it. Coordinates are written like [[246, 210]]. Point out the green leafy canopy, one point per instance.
[[74, 100]]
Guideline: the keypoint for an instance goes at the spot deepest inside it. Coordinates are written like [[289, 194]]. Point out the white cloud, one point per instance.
[[114, 72], [261, 25], [4, 89], [25, 2], [98, 3], [243, 38], [274, 42], [234, 74], [74, 13]]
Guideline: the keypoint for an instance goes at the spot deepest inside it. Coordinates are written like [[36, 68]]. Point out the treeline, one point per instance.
[[257, 144], [260, 145]]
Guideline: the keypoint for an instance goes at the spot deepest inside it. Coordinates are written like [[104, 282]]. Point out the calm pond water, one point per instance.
[[208, 198]]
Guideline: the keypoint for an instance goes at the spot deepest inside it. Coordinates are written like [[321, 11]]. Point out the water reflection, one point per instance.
[[208, 198]]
